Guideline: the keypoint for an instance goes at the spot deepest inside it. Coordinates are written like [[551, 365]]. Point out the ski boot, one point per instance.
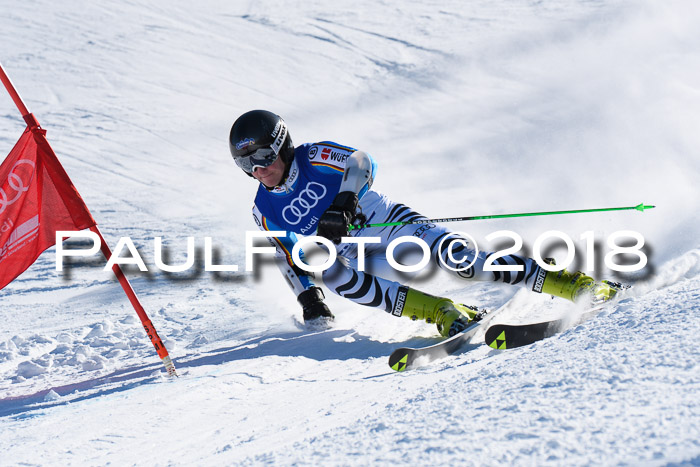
[[449, 317], [575, 286], [314, 309]]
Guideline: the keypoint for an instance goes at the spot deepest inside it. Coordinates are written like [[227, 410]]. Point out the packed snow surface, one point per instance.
[[470, 108]]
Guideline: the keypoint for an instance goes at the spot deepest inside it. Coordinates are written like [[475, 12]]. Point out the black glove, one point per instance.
[[311, 301], [335, 221]]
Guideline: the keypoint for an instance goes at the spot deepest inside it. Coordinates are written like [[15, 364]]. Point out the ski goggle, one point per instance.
[[263, 157]]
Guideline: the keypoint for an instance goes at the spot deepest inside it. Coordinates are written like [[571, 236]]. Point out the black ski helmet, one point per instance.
[[259, 129]]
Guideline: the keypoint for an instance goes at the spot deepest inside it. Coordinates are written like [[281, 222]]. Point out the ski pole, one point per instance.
[[639, 207]]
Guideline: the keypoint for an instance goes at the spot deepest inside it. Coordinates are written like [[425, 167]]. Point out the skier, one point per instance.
[[322, 188]]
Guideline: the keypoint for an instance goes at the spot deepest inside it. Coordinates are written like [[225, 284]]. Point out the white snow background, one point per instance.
[[470, 108]]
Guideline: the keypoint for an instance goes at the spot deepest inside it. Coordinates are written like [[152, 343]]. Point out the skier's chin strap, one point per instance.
[[285, 175]]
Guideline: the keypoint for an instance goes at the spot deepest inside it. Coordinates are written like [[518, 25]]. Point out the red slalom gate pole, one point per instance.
[[123, 281], [28, 117], [147, 325]]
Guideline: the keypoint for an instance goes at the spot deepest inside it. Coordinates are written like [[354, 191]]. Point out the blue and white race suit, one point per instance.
[[314, 179]]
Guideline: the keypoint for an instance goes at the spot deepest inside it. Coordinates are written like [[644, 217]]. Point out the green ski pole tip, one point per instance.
[[642, 207]]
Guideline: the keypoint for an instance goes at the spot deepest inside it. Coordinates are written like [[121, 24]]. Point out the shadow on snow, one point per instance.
[[324, 345]]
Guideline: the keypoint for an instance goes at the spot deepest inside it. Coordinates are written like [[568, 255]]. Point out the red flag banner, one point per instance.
[[36, 199]]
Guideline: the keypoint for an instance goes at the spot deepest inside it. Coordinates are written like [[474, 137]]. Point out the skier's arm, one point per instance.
[[309, 296], [297, 279], [358, 174], [357, 179]]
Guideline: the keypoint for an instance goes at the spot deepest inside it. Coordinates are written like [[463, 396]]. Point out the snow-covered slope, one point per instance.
[[474, 108]]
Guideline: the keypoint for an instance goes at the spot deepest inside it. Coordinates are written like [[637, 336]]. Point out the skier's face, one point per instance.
[[272, 175]]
